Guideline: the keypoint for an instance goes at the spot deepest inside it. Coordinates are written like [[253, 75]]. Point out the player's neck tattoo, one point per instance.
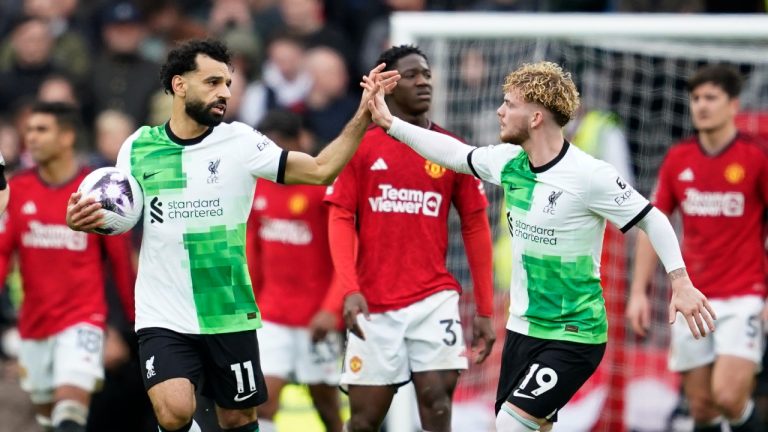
[[677, 274]]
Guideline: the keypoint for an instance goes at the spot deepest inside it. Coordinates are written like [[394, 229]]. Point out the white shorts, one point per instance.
[[74, 356], [424, 336], [738, 332], [288, 353]]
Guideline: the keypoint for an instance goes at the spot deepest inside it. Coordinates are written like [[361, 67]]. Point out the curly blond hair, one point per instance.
[[547, 84]]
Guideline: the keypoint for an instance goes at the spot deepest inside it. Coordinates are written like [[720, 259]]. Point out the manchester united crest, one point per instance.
[[355, 364], [734, 173], [433, 170], [298, 204]]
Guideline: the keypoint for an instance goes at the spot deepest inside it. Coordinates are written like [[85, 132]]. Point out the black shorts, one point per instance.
[[540, 376], [227, 364]]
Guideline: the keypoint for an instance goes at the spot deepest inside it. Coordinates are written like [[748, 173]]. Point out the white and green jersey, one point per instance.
[[193, 276], [556, 214]]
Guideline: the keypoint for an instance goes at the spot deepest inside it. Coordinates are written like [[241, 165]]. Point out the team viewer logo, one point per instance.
[[411, 201]]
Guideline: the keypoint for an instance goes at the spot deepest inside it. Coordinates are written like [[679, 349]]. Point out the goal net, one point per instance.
[[631, 71]]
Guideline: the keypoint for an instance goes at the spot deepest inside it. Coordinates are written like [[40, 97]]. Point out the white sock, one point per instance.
[[71, 410], [744, 414], [194, 428], [509, 421], [267, 426]]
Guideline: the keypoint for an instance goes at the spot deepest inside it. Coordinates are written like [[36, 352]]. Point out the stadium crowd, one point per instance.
[[104, 57]]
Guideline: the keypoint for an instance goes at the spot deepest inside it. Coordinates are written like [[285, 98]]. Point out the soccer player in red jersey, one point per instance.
[[4, 191], [63, 314], [299, 341], [718, 180], [394, 204]]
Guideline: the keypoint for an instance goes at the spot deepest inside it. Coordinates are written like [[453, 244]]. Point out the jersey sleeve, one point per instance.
[[124, 154], [486, 163], [468, 194], [663, 196], [611, 197], [7, 245], [264, 158], [343, 191]]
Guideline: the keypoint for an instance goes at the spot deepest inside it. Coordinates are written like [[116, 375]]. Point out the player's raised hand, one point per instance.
[[376, 86], [355, 304], [690, 302], [83, 213], [639, 313], [483, 338]]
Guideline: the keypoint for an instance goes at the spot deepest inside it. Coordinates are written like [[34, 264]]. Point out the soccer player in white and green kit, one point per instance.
[[196, 317], [557, 200]]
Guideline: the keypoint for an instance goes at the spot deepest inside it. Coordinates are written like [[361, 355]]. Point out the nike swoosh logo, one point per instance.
[[518, 394], [512, 188], [152, 174], [240, 399]]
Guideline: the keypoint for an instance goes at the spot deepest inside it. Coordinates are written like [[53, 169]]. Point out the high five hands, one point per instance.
[[378, 85]]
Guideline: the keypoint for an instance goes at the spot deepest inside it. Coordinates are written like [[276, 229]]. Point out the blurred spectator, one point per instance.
[[375, 37], [112, 127], [166, 24], [115, 84], [229, 14], [10, 147], [71, 48], [58, 88], [305, 18], [329, 105], [28, 63], [284, 84]]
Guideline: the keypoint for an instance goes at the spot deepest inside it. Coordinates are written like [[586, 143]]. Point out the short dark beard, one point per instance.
[[201, 113]]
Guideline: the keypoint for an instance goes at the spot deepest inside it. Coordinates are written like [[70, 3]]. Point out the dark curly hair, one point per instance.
[[392, 55], [183, 59]]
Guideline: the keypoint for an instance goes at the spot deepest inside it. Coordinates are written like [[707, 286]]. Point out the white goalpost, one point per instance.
[[633, 68]]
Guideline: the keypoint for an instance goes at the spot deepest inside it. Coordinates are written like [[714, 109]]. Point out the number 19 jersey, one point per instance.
[[193, 276], [556, 214]]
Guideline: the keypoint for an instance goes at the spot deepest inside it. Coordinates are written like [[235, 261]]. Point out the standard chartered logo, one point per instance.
[[531, 232], [402, 200], [184, 209]]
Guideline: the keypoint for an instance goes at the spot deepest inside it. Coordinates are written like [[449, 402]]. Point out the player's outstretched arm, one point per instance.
[[638, 307], [439, 148], [686, 299], [83, 213], [302, 168]]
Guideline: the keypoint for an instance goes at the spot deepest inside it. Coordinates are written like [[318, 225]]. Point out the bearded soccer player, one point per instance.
[[394, 204], [63, 314], [558, 199], [718, 180], [196, 317], [299, 340]]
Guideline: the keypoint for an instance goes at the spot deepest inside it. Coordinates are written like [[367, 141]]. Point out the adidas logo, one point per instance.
[[686, 175], [379, 165], [29, 208]]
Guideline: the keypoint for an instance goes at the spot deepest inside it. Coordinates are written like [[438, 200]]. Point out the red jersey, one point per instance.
[[61, 270], [722, 199], [401, 201], [288, 255]]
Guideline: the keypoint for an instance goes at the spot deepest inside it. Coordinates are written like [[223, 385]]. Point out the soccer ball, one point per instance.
[[120, 195]]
